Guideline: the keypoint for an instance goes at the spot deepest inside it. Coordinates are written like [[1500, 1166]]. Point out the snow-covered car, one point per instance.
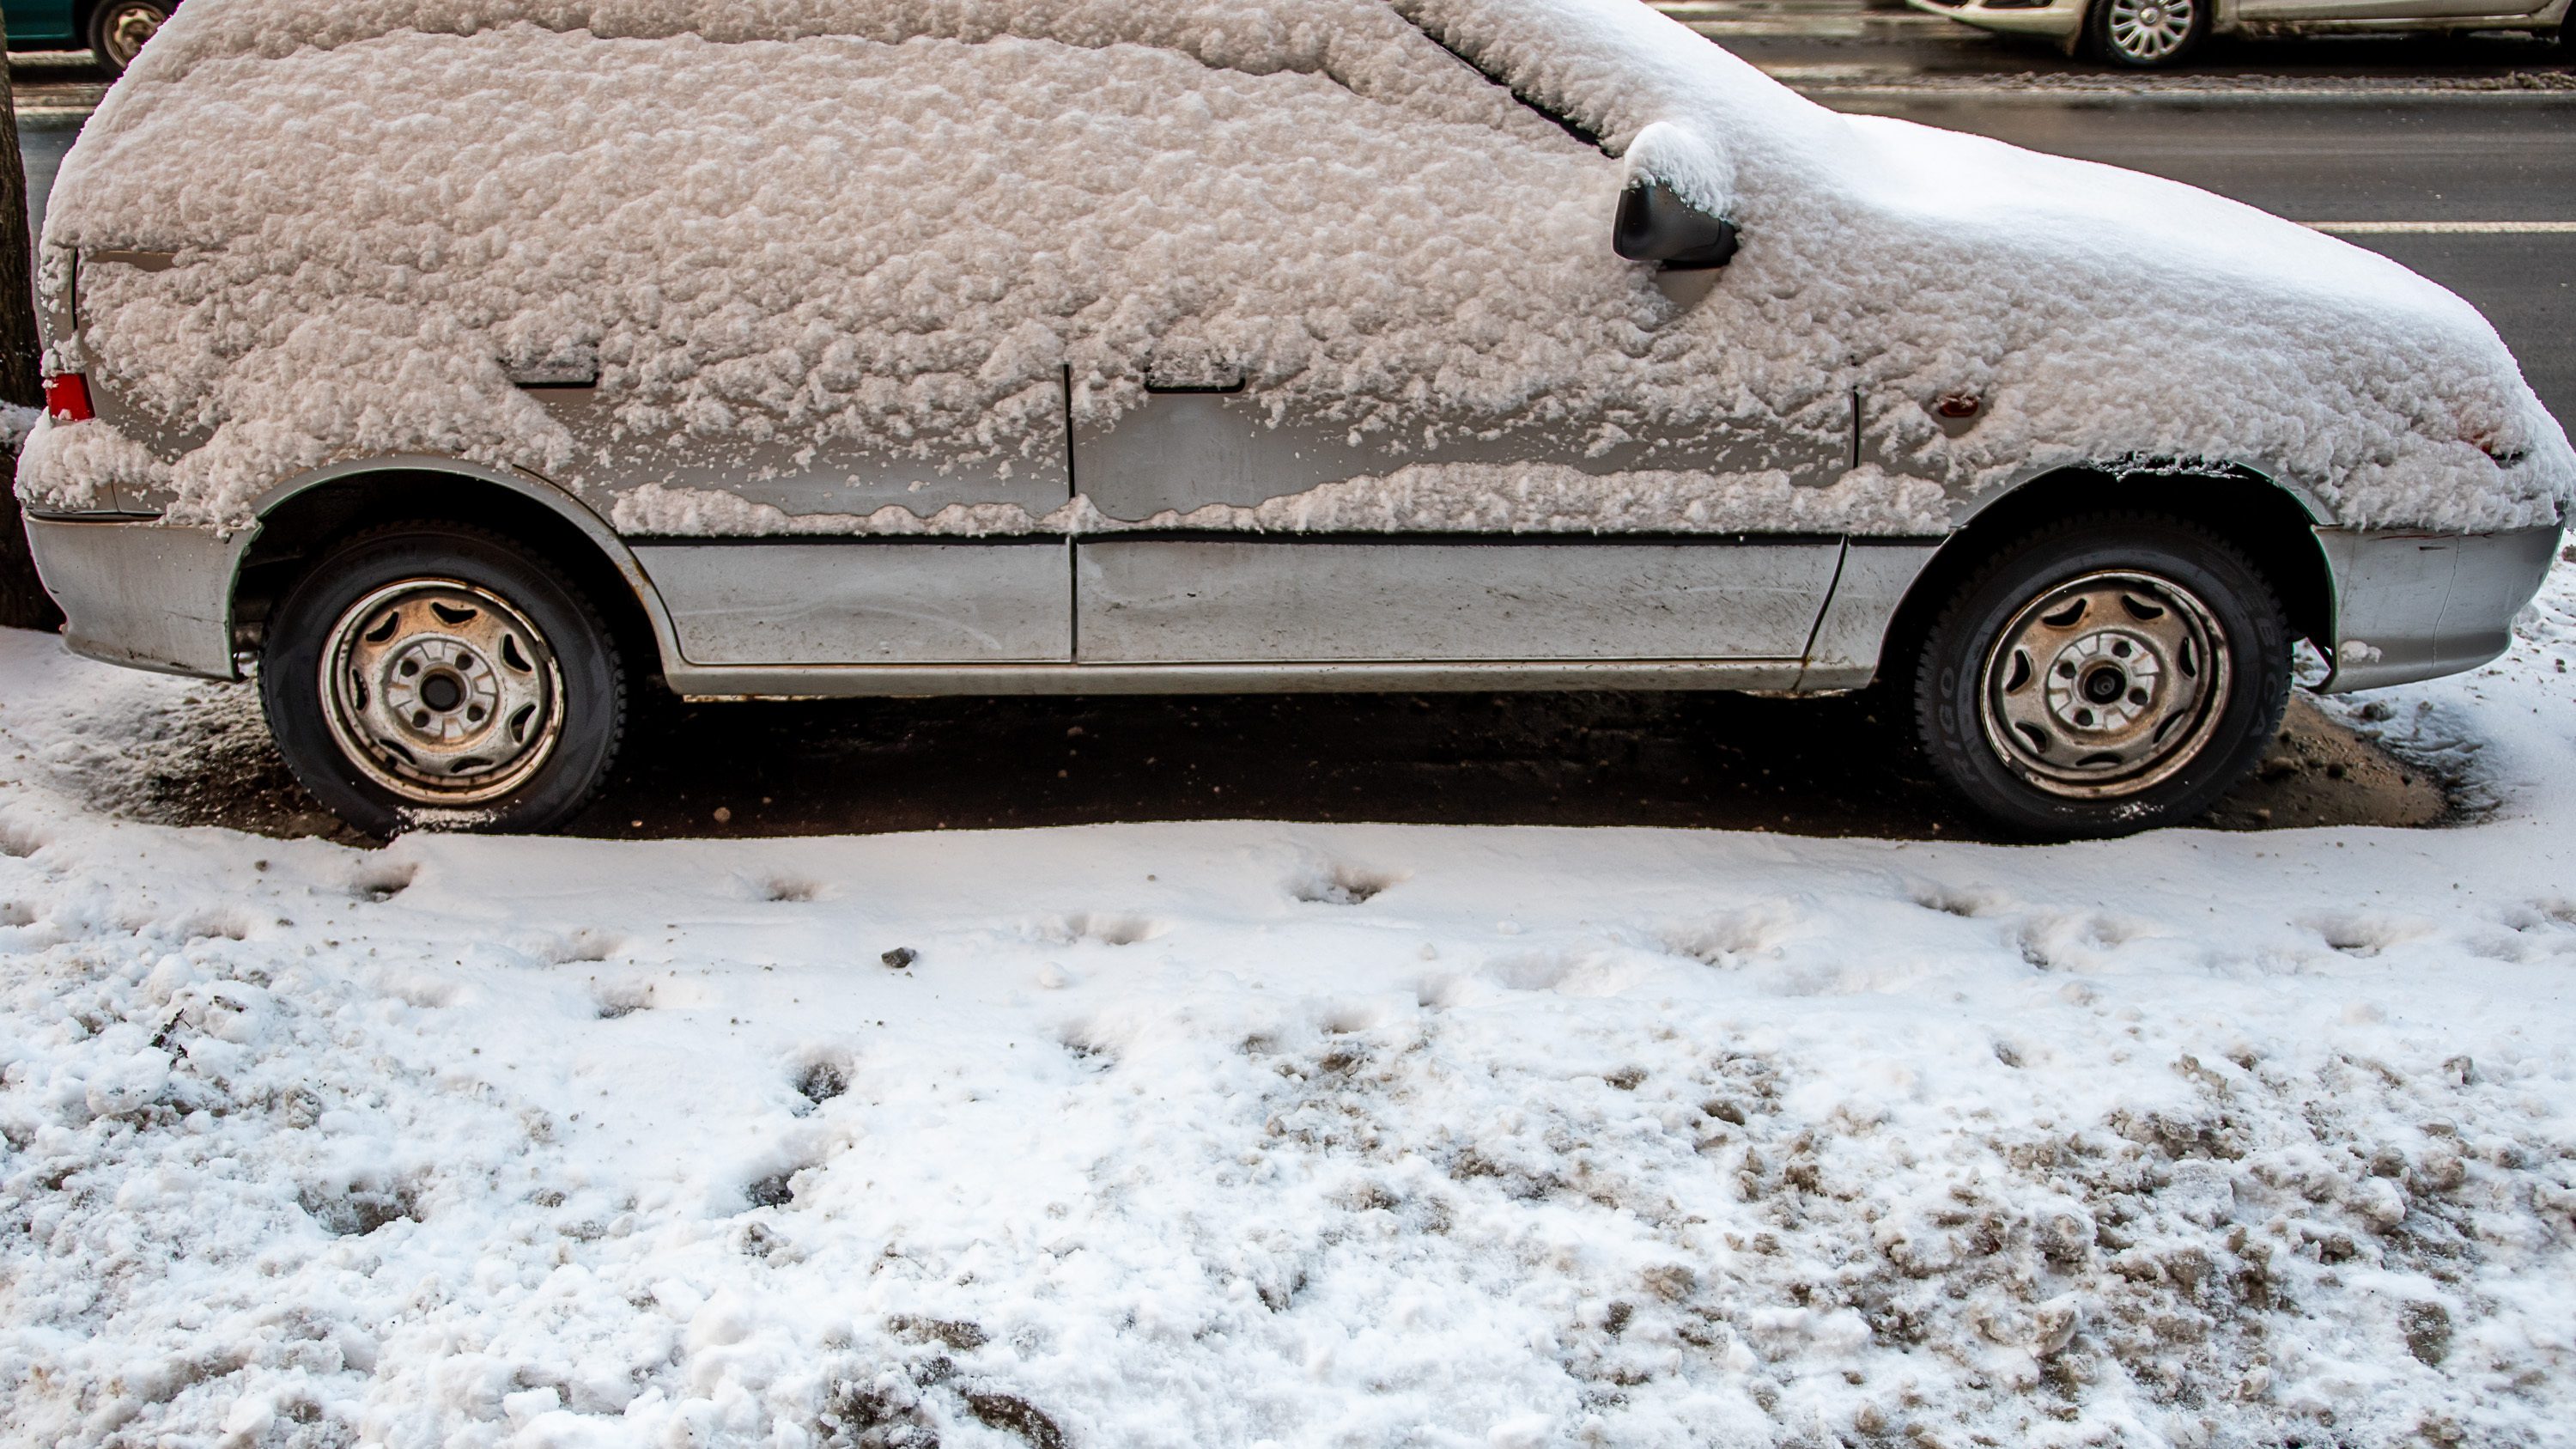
[[2150, 33], [457, 364]]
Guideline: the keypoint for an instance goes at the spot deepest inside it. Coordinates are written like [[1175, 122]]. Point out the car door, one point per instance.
[[815, 381], [1389, 395], [810, 547]]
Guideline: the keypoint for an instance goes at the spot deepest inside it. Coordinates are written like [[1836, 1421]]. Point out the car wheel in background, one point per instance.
[[2145, 34], [2103, 675], [431, 675], [118, 28]]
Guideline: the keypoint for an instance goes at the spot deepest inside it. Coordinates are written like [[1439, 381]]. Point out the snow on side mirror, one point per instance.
[[1671, 209]]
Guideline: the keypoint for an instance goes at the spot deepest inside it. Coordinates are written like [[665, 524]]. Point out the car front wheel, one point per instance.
[[431, 675], [2145, 34], [2102, 676]]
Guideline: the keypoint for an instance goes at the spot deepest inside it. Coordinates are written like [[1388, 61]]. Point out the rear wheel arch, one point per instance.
[[301, 520], [2274, 526]]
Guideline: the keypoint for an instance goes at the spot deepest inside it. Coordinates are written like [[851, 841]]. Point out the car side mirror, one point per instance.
[[1656, 225]]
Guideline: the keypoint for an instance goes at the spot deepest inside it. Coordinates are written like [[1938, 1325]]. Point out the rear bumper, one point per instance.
[[137, 593], [2414, 605], [2058, 19]]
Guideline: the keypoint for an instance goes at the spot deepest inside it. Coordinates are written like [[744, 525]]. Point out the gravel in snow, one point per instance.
[[1246, 1133]]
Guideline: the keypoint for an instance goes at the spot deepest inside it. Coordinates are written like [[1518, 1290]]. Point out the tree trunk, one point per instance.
[[23, 601]]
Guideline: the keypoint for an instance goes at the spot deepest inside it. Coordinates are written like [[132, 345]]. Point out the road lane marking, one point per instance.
[[1837, 86], [2443, 228]]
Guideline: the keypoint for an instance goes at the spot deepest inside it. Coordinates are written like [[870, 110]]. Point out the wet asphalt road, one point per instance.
[[2463, 146]]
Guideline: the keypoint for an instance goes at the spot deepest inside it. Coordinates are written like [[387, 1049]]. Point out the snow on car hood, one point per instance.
[[376, 209], [2101, 314]]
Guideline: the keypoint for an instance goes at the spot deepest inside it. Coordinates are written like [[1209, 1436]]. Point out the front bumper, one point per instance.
[[2413, 605], [139, 593], [2058, 19]]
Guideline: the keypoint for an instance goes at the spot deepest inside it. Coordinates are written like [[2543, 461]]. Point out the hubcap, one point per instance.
[[2150, 30], [441, 692], [127, 27], [2105, 685]]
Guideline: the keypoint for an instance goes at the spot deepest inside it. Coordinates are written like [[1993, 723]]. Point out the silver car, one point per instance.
[[2147, 33], [459, 372]]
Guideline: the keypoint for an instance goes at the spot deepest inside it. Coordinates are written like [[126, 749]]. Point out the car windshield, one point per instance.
[[1606, 69]]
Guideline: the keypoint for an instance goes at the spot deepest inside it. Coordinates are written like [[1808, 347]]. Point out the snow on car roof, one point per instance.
[[890, 228]]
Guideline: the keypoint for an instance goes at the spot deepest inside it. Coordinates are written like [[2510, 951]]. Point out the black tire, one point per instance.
[[118, 28], [529, 719], [2140, 34], [2185, 610]]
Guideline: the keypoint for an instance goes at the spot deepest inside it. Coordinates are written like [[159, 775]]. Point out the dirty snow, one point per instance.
[[877, 235], [1246, 1133]]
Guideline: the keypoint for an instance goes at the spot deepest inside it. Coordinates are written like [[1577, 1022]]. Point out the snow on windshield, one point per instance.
[[888, 233]]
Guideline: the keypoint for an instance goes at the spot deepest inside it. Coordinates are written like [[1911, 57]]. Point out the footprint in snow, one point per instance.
[[1567, 973], [1089, 1043], [2550, 914], [381, 880], [20, 841], [219, 924], [785, 889], [1965, 901], [586, 945], [2071, 940], [1725, 940], [776, 1190], [1324, 883], [1341, 1018], [622, 998], [820, 1074], [2365, 933], [421, 988], [1101, 927]]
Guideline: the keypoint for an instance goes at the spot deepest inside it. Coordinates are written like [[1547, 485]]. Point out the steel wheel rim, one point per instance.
[[2150, 29], [127, 28], [441, 692], [2105, 685]]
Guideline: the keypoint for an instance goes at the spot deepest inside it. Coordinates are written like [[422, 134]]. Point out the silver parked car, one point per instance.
[[458, 369], [2149, 33]]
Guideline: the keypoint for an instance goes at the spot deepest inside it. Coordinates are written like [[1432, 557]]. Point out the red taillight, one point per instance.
[[67, 397]]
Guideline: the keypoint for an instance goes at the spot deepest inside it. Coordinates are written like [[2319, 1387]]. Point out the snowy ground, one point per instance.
[[1230, 1133]]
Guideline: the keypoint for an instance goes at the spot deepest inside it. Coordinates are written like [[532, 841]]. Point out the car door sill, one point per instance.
[[697, 682]]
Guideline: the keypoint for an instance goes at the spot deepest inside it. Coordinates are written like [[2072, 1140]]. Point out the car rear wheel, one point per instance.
[[430, 675], [2103, 676], [118, 28], [2145, 34]]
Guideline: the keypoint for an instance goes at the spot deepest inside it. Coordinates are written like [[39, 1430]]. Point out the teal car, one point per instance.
[[115, 29]]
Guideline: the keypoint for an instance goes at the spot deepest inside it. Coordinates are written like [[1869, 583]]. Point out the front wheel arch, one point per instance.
[[2271, 524]]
